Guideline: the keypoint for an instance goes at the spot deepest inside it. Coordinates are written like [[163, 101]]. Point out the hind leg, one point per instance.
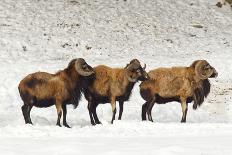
[[114, 110], [144, 111], [184, 107], [26, 109], [59, 111], [120, 110]]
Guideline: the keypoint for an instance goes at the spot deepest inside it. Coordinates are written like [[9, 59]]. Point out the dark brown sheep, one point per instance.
[[111, 85], [181, 84], [43, 89]]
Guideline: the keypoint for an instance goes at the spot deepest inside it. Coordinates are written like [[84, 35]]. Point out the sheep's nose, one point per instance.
[[215, 74]]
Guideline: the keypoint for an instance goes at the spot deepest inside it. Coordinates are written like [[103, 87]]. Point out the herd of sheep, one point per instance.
[[103, 84]]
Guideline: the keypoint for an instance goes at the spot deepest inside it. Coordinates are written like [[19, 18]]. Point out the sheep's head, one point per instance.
[[204, 70], [83, 68], [135, 72]]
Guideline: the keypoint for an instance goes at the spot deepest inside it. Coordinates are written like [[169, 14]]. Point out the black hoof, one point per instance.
[[66, 125], [58, 125], [93, 123], [144, 118], [151, 120], [194, 106], [98, 122]]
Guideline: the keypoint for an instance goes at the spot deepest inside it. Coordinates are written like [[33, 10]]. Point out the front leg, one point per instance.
[[90, 108], [144, 111], [149, 109], [113, 105], [120, 109], [64, 108], [94, 111]]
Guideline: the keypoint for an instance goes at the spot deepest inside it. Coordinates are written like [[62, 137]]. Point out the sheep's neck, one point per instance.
[[72, 77], [127, 84]]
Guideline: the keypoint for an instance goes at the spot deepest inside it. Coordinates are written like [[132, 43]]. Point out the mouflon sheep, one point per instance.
[[111, 85], [43, 89], [181, 84]]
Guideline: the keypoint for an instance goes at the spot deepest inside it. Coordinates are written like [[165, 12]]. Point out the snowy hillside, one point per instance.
[[44, 35]]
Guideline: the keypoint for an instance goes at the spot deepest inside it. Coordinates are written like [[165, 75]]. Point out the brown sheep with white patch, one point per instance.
[[111, 85], [181, 84], [43, 89]]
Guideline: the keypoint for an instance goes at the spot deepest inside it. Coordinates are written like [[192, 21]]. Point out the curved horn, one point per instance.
[[127, 70], [129, 78], [199, 69], [79, 67]]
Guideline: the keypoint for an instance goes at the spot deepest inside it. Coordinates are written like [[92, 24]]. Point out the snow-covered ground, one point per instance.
[[46, 34]]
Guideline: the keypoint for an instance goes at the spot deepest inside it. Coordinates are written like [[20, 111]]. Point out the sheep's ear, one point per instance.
[[200, 69]]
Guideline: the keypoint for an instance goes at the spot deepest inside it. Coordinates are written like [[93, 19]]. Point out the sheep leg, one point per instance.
[[64, 109], [114, 110], [120, 109], [59, 112], [149, 108], [25, 115], [90, 108], [29, 113], [95, 114], [26, 109], [144, 111], [184, 107]]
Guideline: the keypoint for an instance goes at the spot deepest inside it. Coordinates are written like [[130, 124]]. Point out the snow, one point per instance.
[[42, 35], [125, 137]]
